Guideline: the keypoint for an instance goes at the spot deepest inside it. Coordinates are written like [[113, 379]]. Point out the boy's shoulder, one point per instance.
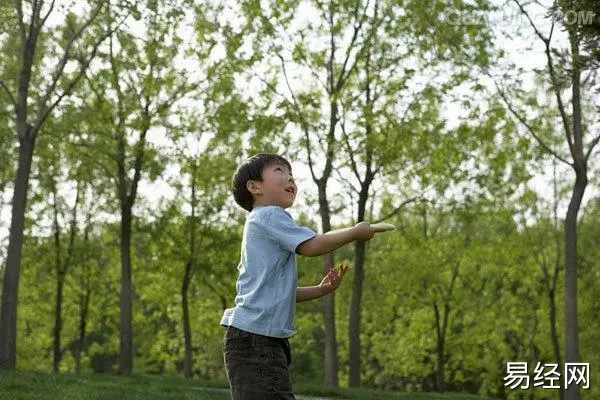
[[265, 213]]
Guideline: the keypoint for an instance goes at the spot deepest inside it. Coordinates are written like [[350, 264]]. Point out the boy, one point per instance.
[[256, 347]]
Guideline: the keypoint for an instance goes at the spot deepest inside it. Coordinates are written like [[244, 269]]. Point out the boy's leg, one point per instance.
[[257, 366]]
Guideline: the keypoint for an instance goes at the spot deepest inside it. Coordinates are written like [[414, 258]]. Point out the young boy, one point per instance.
[[256, 347]]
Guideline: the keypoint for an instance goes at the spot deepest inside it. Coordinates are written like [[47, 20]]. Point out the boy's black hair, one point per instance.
[[251, 170]]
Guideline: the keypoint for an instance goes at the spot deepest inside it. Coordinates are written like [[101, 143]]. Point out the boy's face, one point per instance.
[[276, 189]]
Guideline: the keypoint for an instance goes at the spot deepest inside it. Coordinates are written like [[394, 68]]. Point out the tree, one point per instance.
[[208, 187], [142, 102], [545, 238], [76, 42], [566, 75]]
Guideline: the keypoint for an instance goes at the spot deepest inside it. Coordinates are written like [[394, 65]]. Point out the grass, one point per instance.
[[372, 394], [42, 386], [39, 386]]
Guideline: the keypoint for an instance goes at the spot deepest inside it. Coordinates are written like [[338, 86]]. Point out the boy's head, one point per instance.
[[264, 179]]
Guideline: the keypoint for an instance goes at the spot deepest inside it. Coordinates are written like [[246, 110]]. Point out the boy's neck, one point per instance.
[[261, 205]]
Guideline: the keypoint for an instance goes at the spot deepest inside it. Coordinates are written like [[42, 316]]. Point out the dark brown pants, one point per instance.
[[257, 366]]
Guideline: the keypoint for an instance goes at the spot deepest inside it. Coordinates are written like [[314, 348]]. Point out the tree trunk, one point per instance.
[[580, 167], [354, 323], [84, 299], [59, 284], [554, 334], [60, 280], [331, 357], [553, 283], [84, 302], [441, 323], [571, 319], [357, 289], [10, 286], [187, 331], [126, 346]]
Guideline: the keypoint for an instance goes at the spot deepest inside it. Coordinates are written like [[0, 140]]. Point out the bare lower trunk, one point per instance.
[[554, 334], [187, 331], [330, 350], [126, 346], [60, 280], [354, 357], [83, 314], [441, 322], [354, 323], [571, 319], [331, 357], [580, 167], [10, 286]]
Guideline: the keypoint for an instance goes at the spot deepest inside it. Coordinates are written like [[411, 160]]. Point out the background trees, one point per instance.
[[135, 116]]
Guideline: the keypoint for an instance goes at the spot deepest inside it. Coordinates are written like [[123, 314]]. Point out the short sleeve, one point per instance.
[[281, 228]]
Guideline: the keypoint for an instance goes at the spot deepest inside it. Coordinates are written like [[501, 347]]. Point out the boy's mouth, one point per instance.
[[291, 190]]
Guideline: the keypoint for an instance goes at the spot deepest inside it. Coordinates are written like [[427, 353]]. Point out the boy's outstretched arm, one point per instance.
[[330, 282], [333, 240]]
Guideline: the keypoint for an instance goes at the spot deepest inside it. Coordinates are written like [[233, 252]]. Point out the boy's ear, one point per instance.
[[253, 187]]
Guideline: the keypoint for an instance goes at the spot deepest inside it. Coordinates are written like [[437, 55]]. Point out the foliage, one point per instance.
[[461, 280]]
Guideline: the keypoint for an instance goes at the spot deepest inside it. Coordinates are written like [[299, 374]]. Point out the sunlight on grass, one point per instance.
[[43, 386]]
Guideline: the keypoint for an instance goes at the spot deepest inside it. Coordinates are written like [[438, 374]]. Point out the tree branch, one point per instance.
[[45, 17], [73, 230], [350, 151], [593, 144], [22, 31], [357, 28], [43, 114], [305, 61], [8, 93], [526, 124], [367, 40], [139, 158], [58, 72], [397, 209], [552, 71], [303, 123], [350, 185]]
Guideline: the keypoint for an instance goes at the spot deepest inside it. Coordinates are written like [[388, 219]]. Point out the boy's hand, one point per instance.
[[364, 231], [333, 279]]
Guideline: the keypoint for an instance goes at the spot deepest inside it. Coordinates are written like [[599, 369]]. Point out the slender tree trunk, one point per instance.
[[552, 284], [360, 246], [126, 346], [190, 267], [10, 286], [554, 333], [187, 331], [580, 167], [571, 319], [331, 357], [59, 284], [84, 298], [357, 290], [84, 302], [354, 323], [60, 280], [441, 323]]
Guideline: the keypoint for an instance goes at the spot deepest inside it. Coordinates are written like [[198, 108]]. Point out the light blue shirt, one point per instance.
[[268, 274]]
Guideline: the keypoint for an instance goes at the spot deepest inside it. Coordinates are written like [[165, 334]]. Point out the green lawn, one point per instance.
[[371, 394], [34, 386]]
